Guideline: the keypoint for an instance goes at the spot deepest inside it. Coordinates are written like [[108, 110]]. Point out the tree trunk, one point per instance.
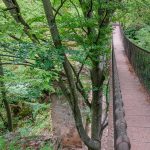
[[4, 99], [73, 98], [97, 80]]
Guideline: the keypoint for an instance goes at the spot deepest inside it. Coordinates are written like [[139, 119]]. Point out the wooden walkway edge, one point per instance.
[[135, 98]]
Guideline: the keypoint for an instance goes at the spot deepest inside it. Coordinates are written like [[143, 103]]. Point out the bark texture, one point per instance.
[[72, 92], [4, 100]]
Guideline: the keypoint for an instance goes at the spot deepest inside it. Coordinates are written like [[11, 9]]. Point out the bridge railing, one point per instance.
[[121, 140], [139, 59]]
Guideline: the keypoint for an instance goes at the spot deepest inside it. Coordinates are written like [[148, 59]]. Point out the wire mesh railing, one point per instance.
[[121, 140], [139, 59]]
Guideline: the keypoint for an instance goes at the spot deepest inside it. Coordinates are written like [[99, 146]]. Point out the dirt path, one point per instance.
[[64, 126], [136, 101]]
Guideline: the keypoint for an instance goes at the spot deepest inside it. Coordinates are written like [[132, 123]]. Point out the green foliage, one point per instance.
[[27, 83], [28, 44], [2, 142], [36, 19], [135, 18], [135, 13], [47, 147], [17, 145], [38, 122], [140, 36], [45, 61], [11, 146]]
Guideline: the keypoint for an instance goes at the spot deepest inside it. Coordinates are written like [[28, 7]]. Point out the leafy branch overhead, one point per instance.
[[69, 42]]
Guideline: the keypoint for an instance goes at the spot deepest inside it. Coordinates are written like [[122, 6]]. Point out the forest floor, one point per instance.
[[29, 134], [63, 134], [64, 127]]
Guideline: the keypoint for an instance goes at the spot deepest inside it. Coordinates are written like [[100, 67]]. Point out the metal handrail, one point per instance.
[[121, 140], [139, 59]]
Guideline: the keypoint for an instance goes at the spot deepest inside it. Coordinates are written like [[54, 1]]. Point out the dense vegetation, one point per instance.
[[59, 47], [137, 22]]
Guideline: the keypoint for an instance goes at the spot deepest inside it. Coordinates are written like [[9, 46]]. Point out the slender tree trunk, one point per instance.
[[97, 82], [73, 97], [4, 99], [96, 76]]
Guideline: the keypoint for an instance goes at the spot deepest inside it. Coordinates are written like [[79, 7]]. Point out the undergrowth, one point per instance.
[[30, 131], [140, 36]]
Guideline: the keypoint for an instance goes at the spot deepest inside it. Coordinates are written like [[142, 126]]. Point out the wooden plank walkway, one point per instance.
[[136, 101]]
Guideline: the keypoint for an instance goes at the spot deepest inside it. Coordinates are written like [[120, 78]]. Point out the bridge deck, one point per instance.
[[136, 101]]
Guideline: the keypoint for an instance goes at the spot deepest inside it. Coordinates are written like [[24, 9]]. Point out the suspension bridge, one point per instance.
[[129, 115]]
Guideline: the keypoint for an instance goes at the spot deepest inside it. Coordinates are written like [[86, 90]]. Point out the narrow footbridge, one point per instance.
[[129, 123]]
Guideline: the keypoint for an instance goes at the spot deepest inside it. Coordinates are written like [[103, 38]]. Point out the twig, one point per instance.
[[13, 56], [56, 10], [100, 28], [80, 88], [78, 14], [60, 6], [18, 18], [14, 37], [78, 74], [10, 8], [9, 63], [104, 126], [104, 123], [107, 94]]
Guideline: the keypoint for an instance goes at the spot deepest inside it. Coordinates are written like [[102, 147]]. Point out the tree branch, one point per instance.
[[16, 14], [10, 63], [57, 10], [13, 56], [78, 14], [80, 87], [4, 100], [98, 35], [10, 8], [104, 126], [104, 123], [82, 65], [14, 37], [91, 143]]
